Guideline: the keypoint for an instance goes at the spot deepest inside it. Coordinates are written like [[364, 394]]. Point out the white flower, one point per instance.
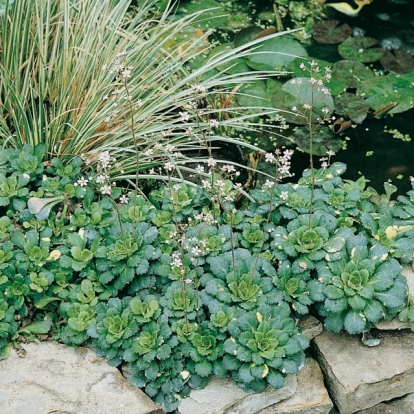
[[123, 199], [284, 195], [269, 157], [330, 153], [284, 169], [100, 179], [105, 189], [214, 123], [325, 110], [149, 152], [184, 116], [82, 181], [126, 73], [104, 158], [307, 106], [211, 162], [199, 169], [169, 166], [196, 251]]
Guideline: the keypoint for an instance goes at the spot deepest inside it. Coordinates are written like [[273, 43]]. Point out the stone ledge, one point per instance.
[[360, 377], [57, 378]]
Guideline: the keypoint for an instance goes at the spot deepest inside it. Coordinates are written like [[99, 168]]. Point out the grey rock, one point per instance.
[[56, 378], [360, 377], [310, 326], [224, 396], [310, 397], [392, 325], [381, 409], [403, 405]]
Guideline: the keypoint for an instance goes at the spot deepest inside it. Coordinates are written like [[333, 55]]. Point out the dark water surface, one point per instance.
[[392, 23]]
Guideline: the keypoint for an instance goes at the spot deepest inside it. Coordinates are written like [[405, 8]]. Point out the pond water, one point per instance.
[[392, 22], [389, 159]]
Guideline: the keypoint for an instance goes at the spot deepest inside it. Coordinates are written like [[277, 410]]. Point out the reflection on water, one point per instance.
[[392, 22]]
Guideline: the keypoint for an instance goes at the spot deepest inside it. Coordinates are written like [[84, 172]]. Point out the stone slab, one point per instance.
[[311, 396], [224, 396], [56, 378], [360, 377], [310, 326], [404, 405]]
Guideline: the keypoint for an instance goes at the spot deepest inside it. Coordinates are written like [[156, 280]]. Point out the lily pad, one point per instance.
[[335, 86], [257, 94], [302, 94], [351, 72], [322, 141], [352, 106], [250, 33], [276, 53], [331, 31], [384, 91], [398, 61], [213, 14], [361, 49]]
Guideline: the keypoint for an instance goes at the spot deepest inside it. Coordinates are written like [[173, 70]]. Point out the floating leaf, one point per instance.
[[383, 91], [351, 72], [213, 13], [256, 94], [246, 35], [351, 106], [301, 93], [398, 61], [276, 53], [331, 32], [335, 86], [322, 141], [361, 49]]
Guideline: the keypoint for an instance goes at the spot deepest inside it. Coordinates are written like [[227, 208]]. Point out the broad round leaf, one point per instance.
[[246, 35], [276, 53], [322, 141], [361, 49], [352, 106], [351, 72], [331, 31], [302, 93], [398, 61], [393, 91]]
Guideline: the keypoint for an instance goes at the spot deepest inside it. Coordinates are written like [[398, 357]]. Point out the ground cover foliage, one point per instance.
[[183, 285], [180, 282]]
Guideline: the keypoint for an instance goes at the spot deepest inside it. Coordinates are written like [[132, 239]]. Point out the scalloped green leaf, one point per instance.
[[374, 311], [203, 368], [354, 322], [361, 49], [331, 31]]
